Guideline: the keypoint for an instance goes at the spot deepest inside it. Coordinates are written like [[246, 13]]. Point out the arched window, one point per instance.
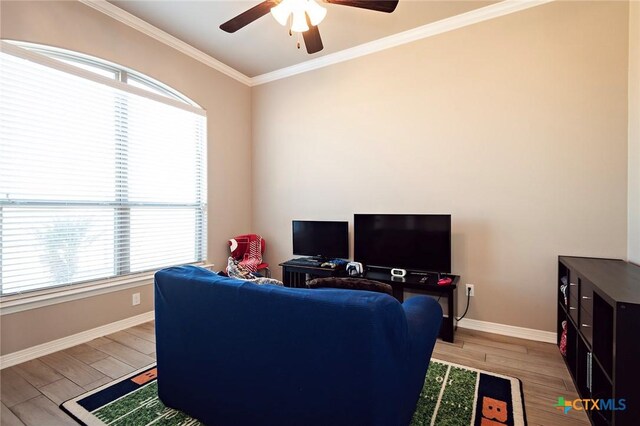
[[102, 171]]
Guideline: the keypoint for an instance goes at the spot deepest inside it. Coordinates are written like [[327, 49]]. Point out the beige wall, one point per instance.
[[516, 126], [30, 328], [74, 26], [634, 133]]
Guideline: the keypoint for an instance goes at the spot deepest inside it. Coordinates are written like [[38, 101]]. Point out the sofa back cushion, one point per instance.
[[246, 341]]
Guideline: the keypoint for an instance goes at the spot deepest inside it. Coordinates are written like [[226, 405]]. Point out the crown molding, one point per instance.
[[448, 24], [164, 37]]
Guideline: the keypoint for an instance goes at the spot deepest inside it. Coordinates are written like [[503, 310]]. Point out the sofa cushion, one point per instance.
[[350, 284]]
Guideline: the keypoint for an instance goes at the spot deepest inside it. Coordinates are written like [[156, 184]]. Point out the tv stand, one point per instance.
[[295, 274], [430, 285]]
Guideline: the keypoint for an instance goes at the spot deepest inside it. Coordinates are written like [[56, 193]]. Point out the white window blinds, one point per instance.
[[97, 178]]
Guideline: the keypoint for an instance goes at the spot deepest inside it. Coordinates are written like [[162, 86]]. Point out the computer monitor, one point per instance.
[[322, 239]]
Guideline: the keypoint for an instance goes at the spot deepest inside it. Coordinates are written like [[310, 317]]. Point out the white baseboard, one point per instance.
[[509, 330], [37, 351]]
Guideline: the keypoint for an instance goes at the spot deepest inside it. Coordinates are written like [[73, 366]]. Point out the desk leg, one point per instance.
[[285, 277], [448, 322], [398, 293]]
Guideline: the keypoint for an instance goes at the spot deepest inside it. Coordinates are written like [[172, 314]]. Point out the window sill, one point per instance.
[[38, 299]]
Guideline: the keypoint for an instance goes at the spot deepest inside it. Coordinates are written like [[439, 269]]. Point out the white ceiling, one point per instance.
[[264, 46]]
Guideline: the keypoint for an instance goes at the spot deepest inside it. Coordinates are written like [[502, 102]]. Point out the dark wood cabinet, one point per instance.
[[599, 301], [296, 275]]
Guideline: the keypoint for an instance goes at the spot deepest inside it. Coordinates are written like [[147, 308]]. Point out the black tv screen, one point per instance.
[[419, 242], [321, 239]]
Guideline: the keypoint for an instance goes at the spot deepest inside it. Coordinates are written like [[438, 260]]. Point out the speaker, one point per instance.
[[398, 272]]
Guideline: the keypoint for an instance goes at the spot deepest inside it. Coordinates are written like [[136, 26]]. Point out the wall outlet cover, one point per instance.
[[469, 290]]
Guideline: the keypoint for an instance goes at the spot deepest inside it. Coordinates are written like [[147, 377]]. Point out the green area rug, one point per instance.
[[452, 395]]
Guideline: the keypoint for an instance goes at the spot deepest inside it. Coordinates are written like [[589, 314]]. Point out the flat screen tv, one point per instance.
[[322, 239], [418, 242]]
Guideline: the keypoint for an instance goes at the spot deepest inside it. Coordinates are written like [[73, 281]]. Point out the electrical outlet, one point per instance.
[[469, 289], [135, 300]]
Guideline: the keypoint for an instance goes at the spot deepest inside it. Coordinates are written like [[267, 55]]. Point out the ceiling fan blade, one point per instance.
[[386, 6], [312, 40], [247, 17]]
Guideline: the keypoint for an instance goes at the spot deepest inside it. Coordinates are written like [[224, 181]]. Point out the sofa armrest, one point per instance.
[[424, 317]]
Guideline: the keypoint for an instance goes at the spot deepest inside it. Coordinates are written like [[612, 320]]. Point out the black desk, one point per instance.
[[411, 281], [296, 275]]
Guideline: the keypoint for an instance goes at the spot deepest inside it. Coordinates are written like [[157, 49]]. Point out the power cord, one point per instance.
[[467, 308]]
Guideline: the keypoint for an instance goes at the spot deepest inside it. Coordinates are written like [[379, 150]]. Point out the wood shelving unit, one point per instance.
[[600, 301]]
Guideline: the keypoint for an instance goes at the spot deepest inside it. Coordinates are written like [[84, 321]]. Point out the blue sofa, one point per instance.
[[231, 352]]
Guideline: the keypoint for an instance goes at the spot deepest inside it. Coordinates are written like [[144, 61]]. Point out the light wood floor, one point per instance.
[[32, 391]]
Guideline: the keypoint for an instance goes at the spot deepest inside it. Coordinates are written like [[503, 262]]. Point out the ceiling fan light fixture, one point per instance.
[[299, 23], [303, 16], [282, 11], [316, 12]]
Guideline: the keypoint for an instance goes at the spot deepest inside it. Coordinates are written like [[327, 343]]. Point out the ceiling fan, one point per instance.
[[303, 16]]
